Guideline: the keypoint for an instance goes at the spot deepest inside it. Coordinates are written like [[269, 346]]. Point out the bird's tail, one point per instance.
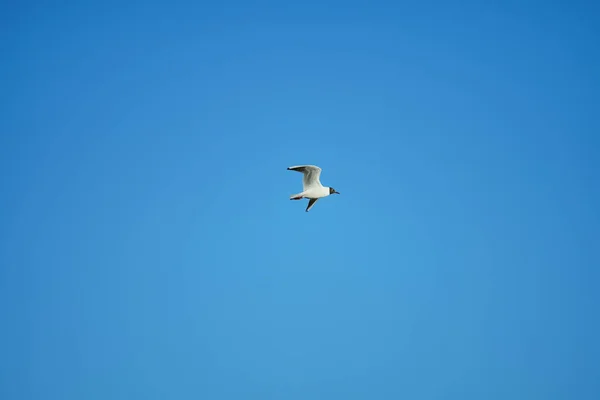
[[298, 196]]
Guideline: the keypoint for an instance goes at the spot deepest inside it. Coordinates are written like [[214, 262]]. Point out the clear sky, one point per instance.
[[149, 249]]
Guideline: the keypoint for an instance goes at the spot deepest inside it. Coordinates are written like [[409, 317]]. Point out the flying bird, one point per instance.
[[312, 188]]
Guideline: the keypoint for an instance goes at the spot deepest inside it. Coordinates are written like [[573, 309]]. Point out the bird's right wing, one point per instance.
[[311, 177], [311, 203]]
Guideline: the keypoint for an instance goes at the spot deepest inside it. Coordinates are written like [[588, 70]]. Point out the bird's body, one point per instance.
[[316, 192], [311, 185]]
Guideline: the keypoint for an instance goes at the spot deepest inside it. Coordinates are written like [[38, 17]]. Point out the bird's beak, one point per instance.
[[336, 192]]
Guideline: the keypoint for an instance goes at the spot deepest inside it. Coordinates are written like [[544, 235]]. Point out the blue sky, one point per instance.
[[148, 249]]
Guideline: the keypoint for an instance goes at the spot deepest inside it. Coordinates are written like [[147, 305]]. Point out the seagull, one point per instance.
[[313, 190]]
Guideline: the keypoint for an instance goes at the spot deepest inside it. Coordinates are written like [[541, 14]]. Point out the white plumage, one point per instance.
[[311, 185]]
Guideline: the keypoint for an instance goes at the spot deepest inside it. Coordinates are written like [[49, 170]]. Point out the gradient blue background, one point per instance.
[[148, 249]]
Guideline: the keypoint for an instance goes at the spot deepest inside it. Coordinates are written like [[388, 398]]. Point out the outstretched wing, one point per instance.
[[311, 177], [311, 203]]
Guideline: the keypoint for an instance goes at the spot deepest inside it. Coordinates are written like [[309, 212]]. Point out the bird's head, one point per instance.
[[332, 191]]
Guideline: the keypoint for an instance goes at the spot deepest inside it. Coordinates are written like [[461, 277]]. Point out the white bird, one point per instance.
[[312, 188]]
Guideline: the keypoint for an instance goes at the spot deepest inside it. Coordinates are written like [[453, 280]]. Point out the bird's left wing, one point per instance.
[[311, 177]]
